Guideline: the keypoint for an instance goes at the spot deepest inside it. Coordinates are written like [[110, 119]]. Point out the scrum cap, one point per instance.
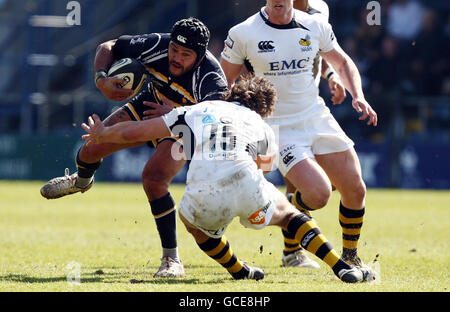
[[192, 34]]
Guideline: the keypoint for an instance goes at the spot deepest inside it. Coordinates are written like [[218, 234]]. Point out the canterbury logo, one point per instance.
[[181, 39], [266, 46], [307, 239], [288, 159]]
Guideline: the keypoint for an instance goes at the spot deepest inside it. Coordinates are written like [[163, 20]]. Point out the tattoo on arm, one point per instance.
[[119, 115]]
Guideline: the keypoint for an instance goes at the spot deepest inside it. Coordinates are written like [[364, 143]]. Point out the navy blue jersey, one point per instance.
[[205, 82]]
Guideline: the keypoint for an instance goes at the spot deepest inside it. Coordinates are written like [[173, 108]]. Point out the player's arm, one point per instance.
[[124, 132], [351, 78], [110, 87], [337, 88], [231, 71]]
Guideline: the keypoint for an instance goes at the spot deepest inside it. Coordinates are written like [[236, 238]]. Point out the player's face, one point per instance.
[[181, 59], [278, 9]]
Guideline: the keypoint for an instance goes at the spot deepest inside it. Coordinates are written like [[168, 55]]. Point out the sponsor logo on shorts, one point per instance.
[[259, 217], [287, 149], [288, 159]]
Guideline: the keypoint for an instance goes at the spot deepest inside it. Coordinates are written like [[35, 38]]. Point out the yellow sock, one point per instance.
[[219, 249]]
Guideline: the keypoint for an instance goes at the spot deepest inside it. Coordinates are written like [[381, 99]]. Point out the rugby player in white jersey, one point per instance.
[[281, 43], [227, 141], [293, 254]]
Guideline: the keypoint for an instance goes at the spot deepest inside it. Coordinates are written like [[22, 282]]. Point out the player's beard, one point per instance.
[[177, 69]]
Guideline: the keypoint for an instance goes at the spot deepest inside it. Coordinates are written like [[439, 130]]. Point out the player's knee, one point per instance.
[[360, 191], [355, 192], [319, 198], [155, 181], [198, 235]]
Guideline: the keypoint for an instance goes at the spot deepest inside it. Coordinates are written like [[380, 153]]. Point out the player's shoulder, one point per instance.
[[210, 63], [247, 26], [312, 22], [150, 38], [319, 8]]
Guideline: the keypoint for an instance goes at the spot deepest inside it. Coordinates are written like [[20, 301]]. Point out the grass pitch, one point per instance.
[[110, 234]]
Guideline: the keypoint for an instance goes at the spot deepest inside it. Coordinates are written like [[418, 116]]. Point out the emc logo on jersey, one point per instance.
[[266, 46]]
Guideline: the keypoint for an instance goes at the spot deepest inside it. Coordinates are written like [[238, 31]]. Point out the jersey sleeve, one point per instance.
[[135, 46], [234, 50], [327, 38], [212, 87], [176, 117]]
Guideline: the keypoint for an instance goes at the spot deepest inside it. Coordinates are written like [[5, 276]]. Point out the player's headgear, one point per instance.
[[192, 34]]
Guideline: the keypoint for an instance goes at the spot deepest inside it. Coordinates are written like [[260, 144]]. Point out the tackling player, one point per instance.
[[182, 72], [281, 44], [223, 180]]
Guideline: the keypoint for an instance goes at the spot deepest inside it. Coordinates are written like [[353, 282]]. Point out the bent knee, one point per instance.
[[355, 193], [155, 177], [155, 185], [318, 198]]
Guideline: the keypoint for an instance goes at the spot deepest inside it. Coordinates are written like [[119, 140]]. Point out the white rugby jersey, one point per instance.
[[318, 9], [220, 138], [285, 55]]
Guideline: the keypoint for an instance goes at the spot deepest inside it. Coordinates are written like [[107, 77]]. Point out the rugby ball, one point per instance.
[[130, 71]]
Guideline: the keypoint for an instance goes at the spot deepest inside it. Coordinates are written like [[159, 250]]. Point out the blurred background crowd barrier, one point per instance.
[[47, 48]]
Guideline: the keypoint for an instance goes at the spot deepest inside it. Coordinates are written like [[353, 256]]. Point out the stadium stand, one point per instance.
[[47, 88]]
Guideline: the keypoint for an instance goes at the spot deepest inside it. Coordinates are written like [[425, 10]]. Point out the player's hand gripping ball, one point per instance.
[[130, 71]]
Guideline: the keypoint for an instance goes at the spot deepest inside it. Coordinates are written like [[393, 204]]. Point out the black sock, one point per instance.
[[86, 170], [163, 209]]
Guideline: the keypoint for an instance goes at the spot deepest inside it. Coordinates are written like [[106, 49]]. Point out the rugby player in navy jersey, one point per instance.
[[182, 72]]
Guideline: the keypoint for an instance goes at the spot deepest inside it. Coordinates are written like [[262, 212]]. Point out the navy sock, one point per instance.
[[163, 209], [86, 170]]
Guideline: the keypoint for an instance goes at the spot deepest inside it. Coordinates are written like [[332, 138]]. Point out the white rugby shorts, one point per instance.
[[299, 139], [212, 206]]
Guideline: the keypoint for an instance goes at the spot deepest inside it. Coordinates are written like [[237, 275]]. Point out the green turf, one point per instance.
[[110, 233]]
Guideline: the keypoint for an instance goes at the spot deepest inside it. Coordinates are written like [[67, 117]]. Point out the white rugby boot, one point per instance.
[[170, 269], [62, 186], [255, 273], [299, 259], [357, 275]]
